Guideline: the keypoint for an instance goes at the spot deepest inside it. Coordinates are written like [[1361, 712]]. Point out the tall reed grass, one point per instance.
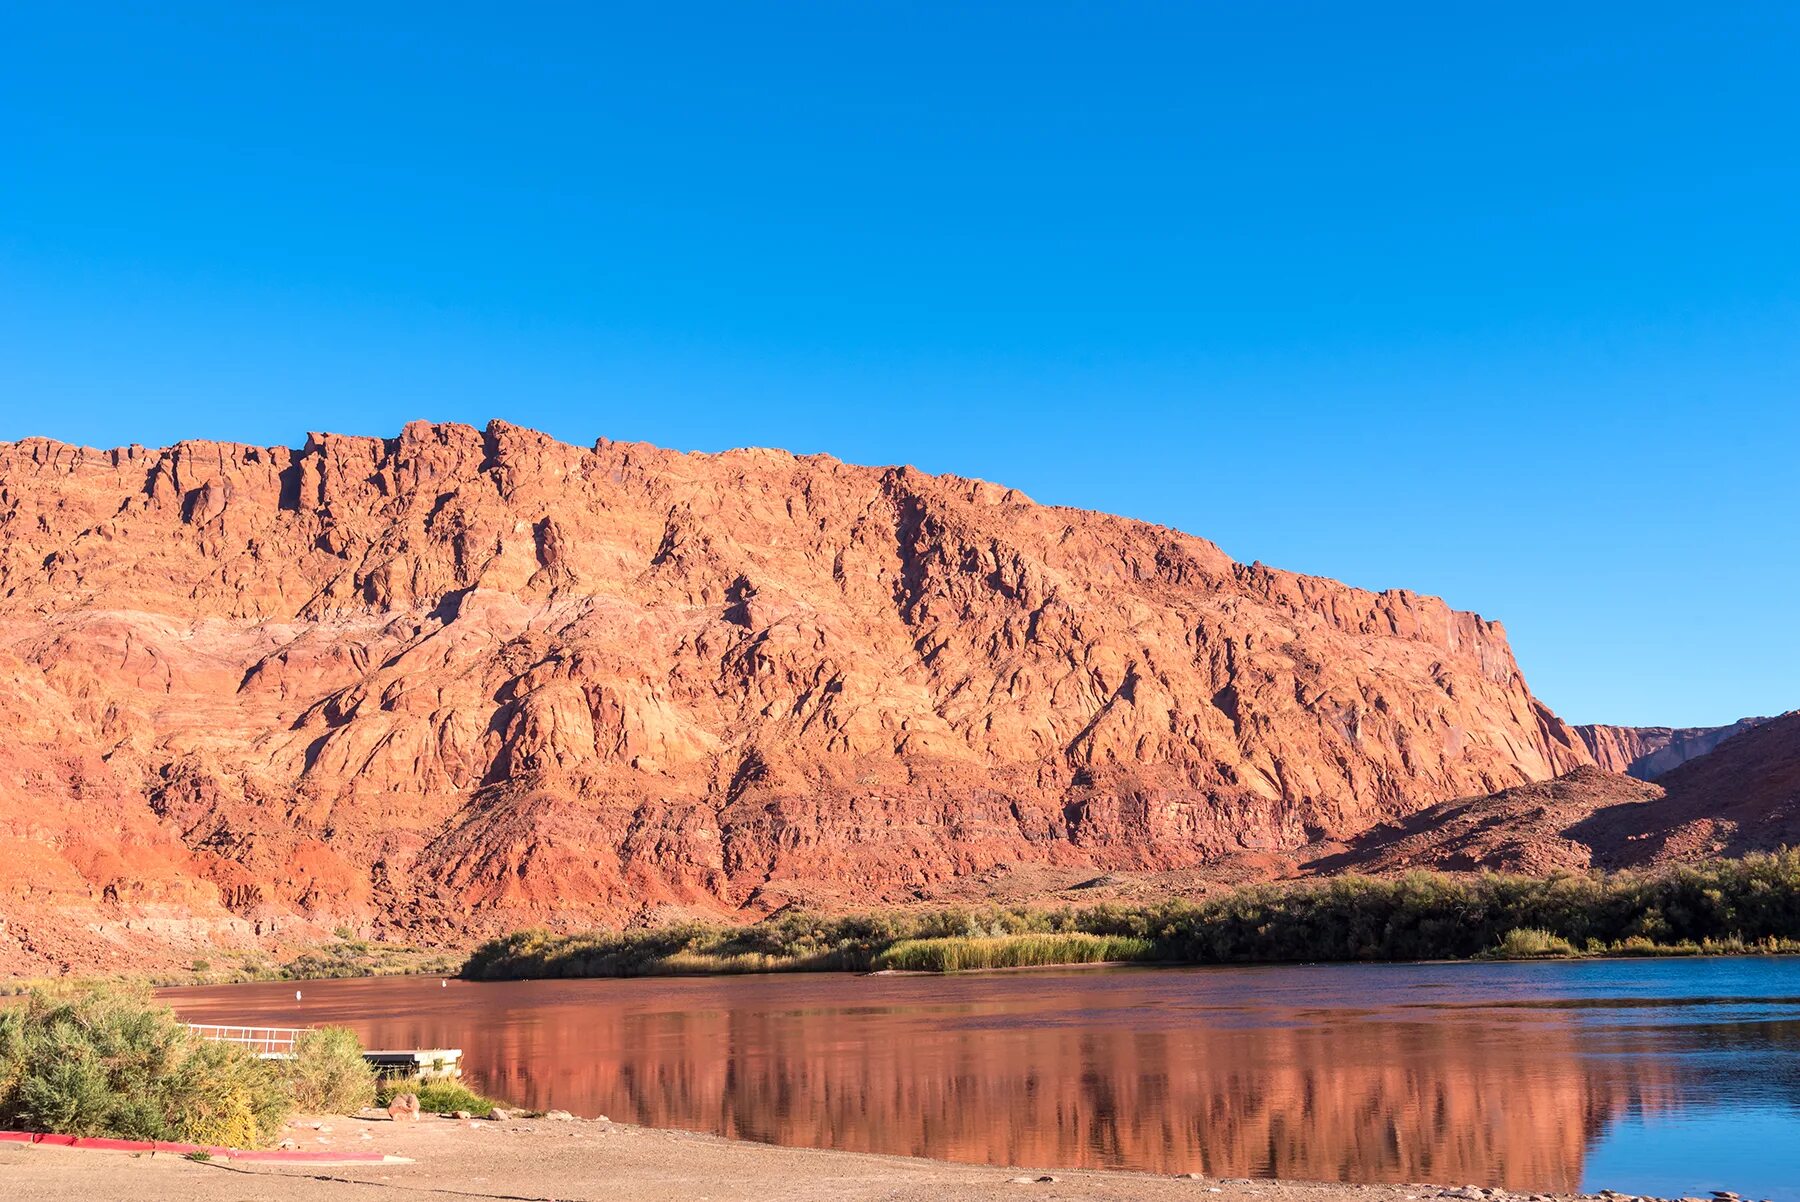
[[961, 954]]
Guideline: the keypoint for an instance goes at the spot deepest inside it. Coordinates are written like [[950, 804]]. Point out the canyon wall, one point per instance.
[[1647, 752], [459, 680]]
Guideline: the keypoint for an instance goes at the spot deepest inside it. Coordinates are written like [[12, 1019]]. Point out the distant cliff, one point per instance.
[[1741, 797], [1647, 752]]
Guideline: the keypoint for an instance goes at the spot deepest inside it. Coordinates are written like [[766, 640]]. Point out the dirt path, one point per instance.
[[540, 1160]]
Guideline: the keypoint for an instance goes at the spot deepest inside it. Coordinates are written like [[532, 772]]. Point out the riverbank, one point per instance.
[[1728, 907], [590, 1161], [334, 960]]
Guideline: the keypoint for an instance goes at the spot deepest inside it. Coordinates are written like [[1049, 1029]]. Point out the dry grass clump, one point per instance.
[[437, 1096]]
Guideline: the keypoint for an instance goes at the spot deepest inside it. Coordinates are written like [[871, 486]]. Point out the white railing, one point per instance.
[[268, 1042]]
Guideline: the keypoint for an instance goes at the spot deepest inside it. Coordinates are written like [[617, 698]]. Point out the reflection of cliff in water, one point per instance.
[[1268, 1072], [1412, 1102]]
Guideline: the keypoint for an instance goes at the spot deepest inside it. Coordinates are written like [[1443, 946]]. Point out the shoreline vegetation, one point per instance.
[[109, 1060], [345, 956], [1729, 907], [112, 1062]]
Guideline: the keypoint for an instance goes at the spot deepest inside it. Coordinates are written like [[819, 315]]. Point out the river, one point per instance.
[[1648, 1076]]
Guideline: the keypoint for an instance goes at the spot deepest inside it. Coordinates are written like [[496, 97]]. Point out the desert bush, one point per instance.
[[112, 1062], [224, 1095], [328, 1074]]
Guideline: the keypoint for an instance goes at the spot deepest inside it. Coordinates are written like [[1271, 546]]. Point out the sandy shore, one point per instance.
[[536, 1160]]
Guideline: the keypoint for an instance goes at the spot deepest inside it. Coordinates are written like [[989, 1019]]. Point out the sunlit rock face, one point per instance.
[[458, 680]]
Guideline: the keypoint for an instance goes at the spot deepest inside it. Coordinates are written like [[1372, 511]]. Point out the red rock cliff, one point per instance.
[[1647, 752], [462, 679]]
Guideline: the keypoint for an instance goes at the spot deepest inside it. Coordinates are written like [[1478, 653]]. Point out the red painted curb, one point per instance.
[[100, 1144]]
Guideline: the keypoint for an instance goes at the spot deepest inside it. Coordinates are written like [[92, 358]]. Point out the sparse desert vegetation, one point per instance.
[[342, 957]]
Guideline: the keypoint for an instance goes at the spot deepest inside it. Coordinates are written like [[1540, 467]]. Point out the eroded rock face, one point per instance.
[[459, 679], [1535, 829], [1742, 797], [1648, 752]]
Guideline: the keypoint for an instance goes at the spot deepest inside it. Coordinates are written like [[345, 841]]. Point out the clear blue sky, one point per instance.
[[1497, 302]]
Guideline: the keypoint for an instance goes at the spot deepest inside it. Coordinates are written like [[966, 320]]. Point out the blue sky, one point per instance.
[[1498, 303]]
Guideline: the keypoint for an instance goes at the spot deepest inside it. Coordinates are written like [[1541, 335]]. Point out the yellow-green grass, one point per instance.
[[963, 954], [437, 1096]]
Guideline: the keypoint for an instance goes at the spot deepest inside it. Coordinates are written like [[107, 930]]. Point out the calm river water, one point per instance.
[[1663, 1076]]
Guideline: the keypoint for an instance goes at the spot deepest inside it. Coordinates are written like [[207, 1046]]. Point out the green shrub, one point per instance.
[[328, 1074], [225, 1095], [114, 1063]]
